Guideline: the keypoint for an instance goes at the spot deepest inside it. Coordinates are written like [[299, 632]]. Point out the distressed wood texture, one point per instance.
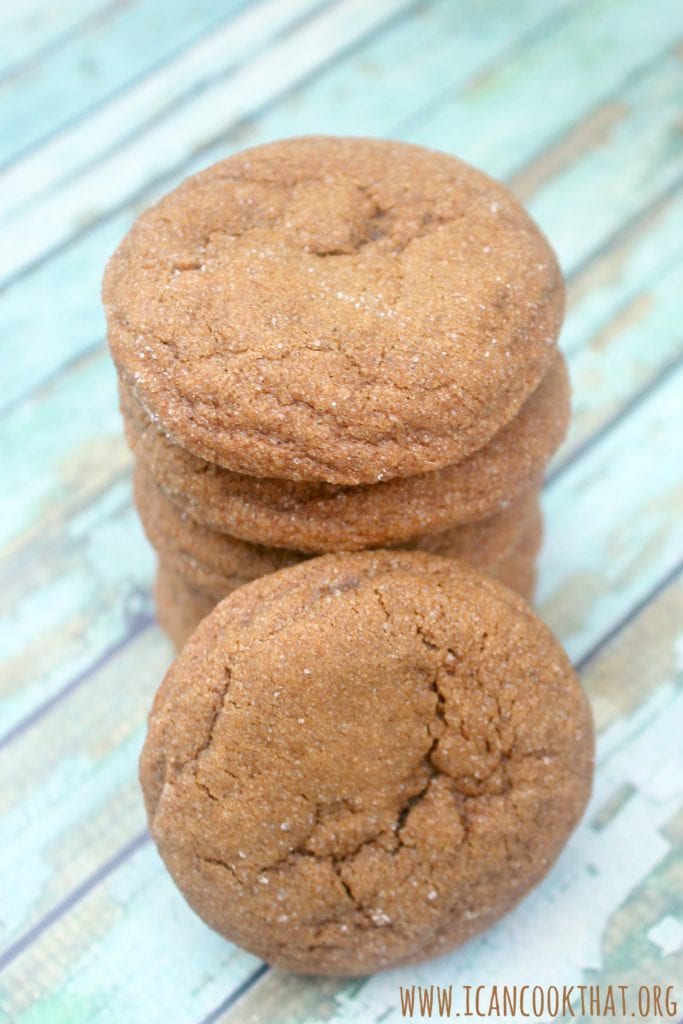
[[103, 107]]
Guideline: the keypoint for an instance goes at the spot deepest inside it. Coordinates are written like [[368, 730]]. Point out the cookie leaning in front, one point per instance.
[[364, 760], [333, 309]]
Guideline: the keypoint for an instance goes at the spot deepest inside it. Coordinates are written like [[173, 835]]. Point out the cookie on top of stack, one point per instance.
[[328, 344]]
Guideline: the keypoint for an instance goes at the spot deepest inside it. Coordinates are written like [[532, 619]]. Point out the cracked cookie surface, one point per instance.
[[364, 760], [317, 517], [336, 309]]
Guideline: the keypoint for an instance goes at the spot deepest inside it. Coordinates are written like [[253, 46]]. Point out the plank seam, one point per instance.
[[636, 400], [181, 101], [73, 898], [625, 229], [28, 547], [176, 168], [121, 90], [490, 67], [635, 74], [56, 44], [236, 994], [139, 626], [74, 361], [633, 612]]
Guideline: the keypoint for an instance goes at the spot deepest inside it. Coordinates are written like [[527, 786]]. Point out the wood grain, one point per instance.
[[577, 104]]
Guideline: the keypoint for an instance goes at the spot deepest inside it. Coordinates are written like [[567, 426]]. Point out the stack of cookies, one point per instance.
[[331, 344]]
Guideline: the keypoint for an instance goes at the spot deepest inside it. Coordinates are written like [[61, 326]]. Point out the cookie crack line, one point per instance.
[[381, 842], [427, 763], [337, 861]]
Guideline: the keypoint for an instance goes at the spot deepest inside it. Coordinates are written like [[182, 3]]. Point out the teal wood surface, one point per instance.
[[103, 107], [115, 44]]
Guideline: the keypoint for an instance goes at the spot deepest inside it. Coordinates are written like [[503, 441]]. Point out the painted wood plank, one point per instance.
[[122, 42], [600, 291], [616, 521], [30, 28], [37, 338], [636, 159], [403, 68], [379, 92], [576, 67], [73, 605], [168, 141], [71, 797], [643, 339], [232, 41], [188, 984], [86, 451]]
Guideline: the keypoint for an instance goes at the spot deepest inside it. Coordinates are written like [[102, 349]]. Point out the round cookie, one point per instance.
[[519, 569], [215, 561], [317, 517], [486, 543], [364, 760], [336, 309], [179, 607], [208, 560], [185, 592]]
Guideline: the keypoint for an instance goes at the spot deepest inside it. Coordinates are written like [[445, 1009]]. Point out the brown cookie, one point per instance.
[[179, 607], [206, 559], [214, 561], [184, 597], [318, 517], [519, 569], [485, 543], [364, 760], [336, 309]]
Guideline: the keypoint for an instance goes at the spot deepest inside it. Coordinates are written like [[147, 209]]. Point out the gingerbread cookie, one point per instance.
[[334, 309], [519, 569], [364, 760], [184, 596], [180, 607], [214, 561], [208, 560], [318, 517]]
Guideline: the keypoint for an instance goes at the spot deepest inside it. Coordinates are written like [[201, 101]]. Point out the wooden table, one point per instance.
[[103, 107]]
